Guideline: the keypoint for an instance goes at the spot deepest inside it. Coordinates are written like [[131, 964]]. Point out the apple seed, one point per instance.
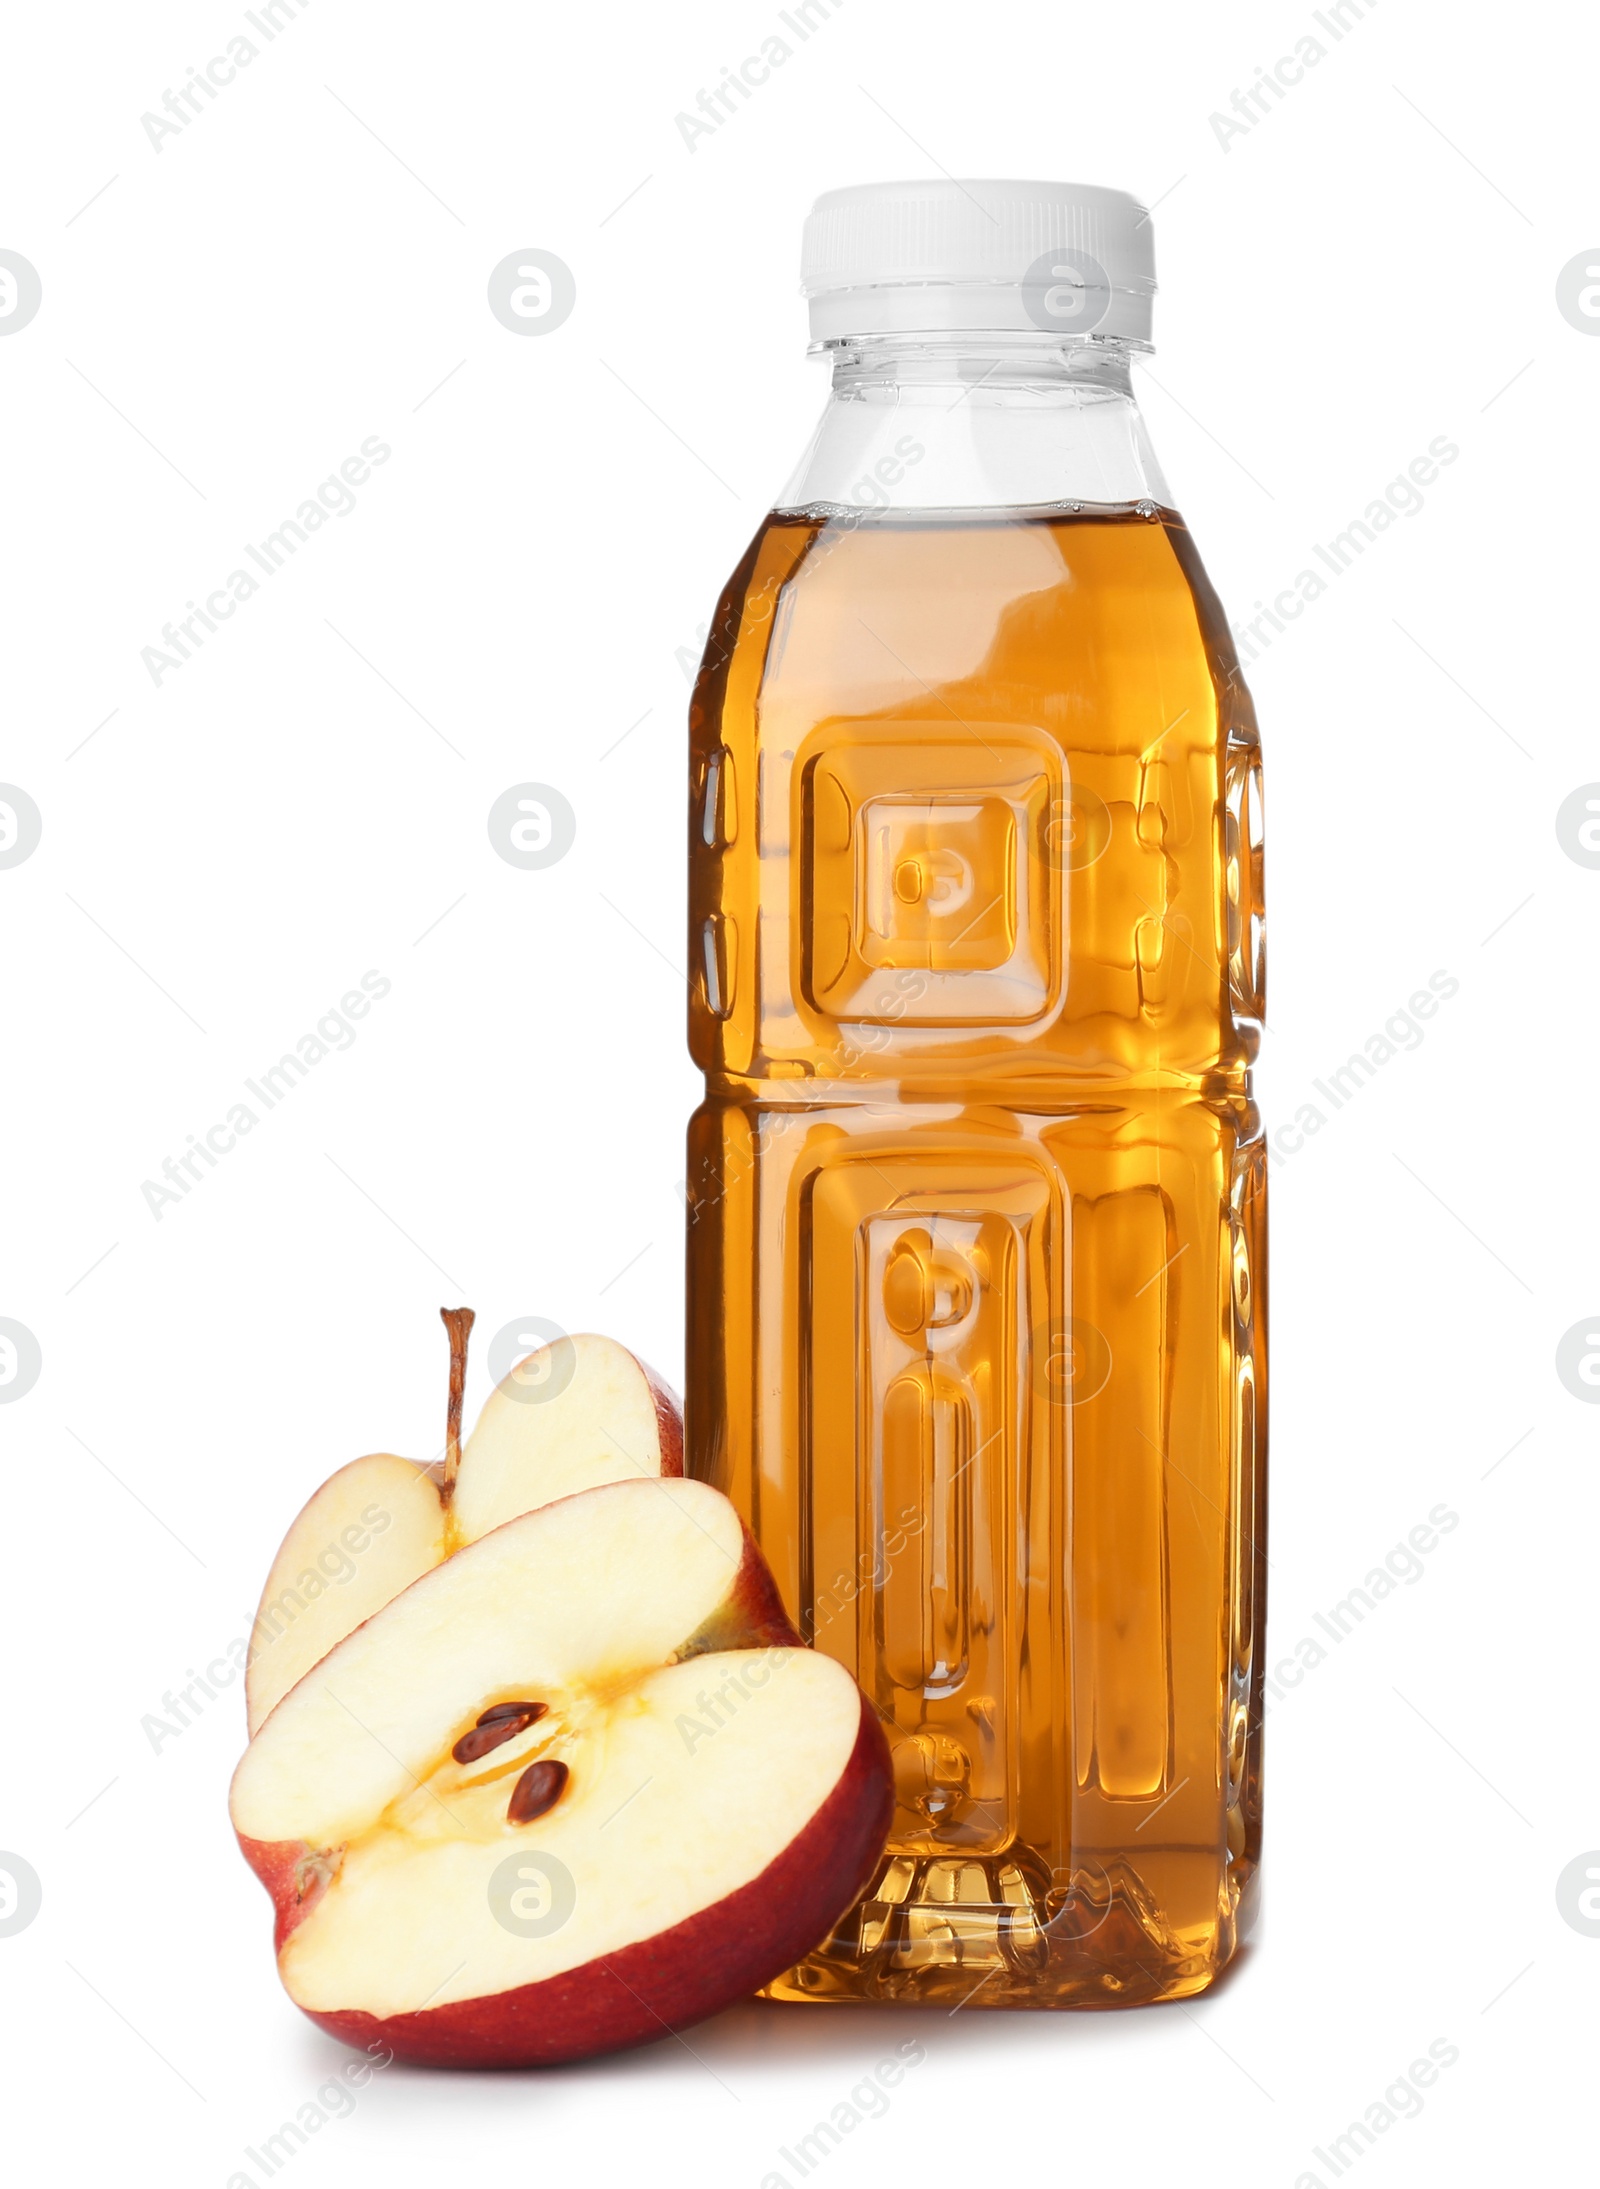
[[495, 1728], [530, 1711], [539, 1788]]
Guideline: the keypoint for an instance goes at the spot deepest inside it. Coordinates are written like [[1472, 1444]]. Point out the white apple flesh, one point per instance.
[[711, 1795]]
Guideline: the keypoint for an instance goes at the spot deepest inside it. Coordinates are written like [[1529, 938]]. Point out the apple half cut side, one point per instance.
[[579, 1786], [570, 1416]]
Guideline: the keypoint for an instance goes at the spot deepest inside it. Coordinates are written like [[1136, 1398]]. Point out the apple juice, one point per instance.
[[977, 1191]]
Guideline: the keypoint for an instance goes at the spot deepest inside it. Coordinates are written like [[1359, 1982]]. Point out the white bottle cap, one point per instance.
[[920, 257]]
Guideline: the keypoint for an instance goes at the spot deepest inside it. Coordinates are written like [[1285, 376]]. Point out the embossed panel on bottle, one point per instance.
[[916, 1395], [1243, 856], [719, 943], [923, 1280], [719, 802], [922, 858], [1247, 1223], [1123, 1281]]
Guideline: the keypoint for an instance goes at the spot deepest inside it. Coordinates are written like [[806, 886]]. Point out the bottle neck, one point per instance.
[[964, 421]]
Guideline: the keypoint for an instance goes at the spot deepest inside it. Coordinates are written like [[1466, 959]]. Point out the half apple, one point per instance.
[[577, 1786]]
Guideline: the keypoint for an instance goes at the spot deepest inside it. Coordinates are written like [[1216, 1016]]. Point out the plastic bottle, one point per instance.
[[977, 1192]]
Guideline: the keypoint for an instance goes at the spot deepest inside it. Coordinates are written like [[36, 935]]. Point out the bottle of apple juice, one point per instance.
[[977, 1191]]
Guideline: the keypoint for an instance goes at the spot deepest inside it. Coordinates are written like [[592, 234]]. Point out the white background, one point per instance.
[[1372, 265]]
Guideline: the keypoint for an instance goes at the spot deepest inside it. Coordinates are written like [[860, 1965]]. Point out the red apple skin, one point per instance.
[[750, 1616], [669, 1420], [666, 1983], [295, 1876]]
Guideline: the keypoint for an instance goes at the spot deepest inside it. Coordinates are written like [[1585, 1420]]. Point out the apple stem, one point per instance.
[[458, 1321]]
